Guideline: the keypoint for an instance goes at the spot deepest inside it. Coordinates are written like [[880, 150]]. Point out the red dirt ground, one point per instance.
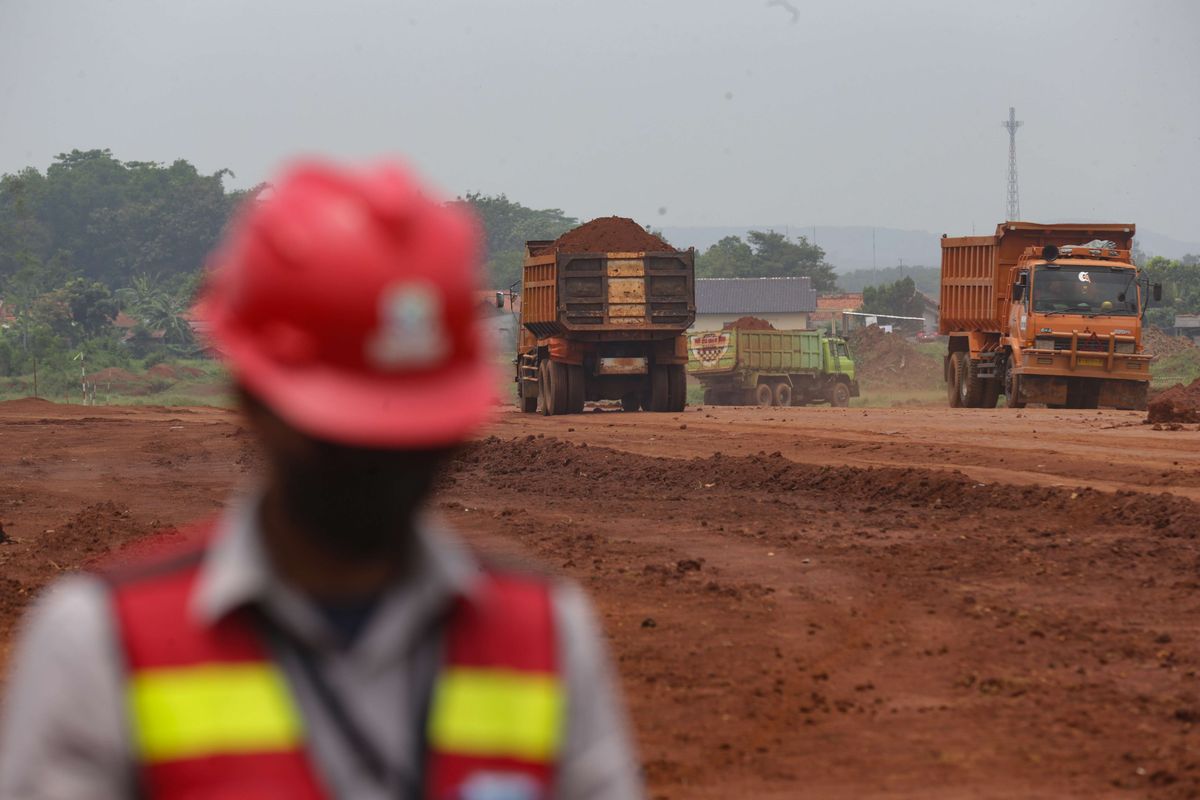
[[917, 603]]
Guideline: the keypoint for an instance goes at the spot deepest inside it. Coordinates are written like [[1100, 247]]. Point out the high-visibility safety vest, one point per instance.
[[213, 716]]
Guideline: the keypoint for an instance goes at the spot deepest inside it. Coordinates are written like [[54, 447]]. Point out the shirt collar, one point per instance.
[[237, 571]]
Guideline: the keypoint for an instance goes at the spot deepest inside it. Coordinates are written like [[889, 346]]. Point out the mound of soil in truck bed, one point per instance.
[[610, 235], [748, 324], [1178, 404]]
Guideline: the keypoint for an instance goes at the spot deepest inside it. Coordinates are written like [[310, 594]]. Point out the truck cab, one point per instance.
[[1077, 311], [836, 354]]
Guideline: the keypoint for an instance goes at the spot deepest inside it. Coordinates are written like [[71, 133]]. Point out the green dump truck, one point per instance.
[[772, 367]]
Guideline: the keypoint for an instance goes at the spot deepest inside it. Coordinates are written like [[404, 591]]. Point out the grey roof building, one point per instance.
[[755, 295]]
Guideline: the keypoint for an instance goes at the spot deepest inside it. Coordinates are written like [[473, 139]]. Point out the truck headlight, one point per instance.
[[1043, 343], [1125, 347]]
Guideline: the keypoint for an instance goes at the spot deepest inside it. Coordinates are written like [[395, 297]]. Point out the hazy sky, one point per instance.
[[718, 111]]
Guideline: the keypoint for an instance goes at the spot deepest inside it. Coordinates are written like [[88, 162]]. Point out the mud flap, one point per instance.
[[1124, 394]]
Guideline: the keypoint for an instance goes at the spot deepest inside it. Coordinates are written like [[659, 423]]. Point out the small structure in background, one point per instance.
[[786, 303], [830, 307], [1188, 325]]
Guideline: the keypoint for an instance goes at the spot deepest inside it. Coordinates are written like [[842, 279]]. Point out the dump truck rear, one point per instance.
[[604, 324], [1045, 314], [738, 366]]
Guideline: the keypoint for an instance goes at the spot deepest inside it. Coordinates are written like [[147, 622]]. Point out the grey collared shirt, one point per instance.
[[65, 733]]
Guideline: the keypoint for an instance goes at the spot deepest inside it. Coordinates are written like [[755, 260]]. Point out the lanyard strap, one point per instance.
[[360, 745]]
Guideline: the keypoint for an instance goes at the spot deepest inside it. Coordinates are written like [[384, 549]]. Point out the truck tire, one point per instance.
[[631, 401], [575, 388], [710, 397], [528, 404], [783, 394], [1012, 390], [954, 378], [560, 386], [970, 385], [657, 386], [991, 393], [544, 394], [764, 395], [839, 395], [676, 387]]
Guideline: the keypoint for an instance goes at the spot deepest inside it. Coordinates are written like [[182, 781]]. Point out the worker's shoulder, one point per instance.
[[69, 619], [163, 554]]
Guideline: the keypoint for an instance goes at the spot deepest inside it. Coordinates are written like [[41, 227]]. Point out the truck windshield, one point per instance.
[[1075, 290]]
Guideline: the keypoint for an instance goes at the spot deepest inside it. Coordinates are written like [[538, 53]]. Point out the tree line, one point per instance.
[[93, 236]]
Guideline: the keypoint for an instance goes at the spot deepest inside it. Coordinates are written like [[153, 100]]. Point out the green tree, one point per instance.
[[767, 254], [1180, 279], [108, 219], [900, 299], [507, 226], [728, 258]]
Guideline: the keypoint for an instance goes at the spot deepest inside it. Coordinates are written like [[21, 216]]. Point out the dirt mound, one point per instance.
[[165, 371], [748, 324], [1164, 345], [610, 235], [529, 463], [26, 404], [115, 379], [1178, 404], [889, 360]]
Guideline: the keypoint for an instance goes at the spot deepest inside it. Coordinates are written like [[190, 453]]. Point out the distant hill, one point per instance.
[[850, 248]]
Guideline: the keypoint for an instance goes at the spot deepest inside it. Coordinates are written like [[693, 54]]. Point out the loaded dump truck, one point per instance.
[[1045, 314], [767, 367], [603, 311]]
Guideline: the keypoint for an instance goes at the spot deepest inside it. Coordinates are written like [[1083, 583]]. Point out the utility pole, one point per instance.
[[1014, 200]]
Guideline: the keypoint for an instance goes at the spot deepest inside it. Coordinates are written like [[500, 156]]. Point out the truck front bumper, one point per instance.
[[1085, 364]]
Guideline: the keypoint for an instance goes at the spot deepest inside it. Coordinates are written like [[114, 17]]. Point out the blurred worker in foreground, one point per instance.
[[323, 637]]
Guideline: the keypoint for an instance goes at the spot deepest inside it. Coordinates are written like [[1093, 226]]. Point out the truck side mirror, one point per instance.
[[500, 300], [1018, 292], [1157, 289]]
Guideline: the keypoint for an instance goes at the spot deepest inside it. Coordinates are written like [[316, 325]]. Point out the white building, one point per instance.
[[783, 302]]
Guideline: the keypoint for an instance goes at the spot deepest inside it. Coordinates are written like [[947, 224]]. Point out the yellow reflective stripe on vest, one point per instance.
[[500, 713], [190, 712]]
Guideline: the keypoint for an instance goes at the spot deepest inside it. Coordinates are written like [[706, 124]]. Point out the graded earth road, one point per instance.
[[915, 602]]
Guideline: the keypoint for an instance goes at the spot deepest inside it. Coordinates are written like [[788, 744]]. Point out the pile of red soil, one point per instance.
[[1178, 404], [748, 324], [163, 371], [121, 381], [889, 360], [1161, 344], [610, 235]]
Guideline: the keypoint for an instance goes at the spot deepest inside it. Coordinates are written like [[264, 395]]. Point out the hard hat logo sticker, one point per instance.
[[1085, 277], [411, 333]]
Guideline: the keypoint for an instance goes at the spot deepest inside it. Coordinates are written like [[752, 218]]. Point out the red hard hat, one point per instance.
[[345, 302]]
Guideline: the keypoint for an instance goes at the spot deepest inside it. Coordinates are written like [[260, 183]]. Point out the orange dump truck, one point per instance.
[[1045, 314], [604, 309]]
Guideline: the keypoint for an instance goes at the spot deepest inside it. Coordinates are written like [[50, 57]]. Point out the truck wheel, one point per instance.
[[956, 369], [560, 386], [528, 404], [1012, 390], [783, 394], [575, 388], [839, 395], [544, 393], [676, 387], [710, 397], [631, 401], [763, 395], [991, 393], [657, 389], [970, 387]]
